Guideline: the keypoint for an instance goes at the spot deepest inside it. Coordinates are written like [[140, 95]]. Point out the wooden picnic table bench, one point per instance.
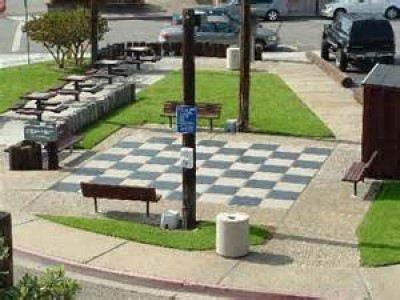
[[119, 192], [356, 172], [66, 139], [209, 111]]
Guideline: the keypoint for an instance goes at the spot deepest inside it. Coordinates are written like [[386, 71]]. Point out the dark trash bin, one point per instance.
[[26, 155]]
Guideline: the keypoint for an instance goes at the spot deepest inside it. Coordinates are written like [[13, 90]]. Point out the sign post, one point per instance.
[[189, 138]]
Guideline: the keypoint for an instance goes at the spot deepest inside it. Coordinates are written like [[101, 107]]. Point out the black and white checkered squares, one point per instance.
[[232, 173]]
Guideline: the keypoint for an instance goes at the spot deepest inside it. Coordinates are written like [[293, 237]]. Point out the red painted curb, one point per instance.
[[331, 70], [155, 282]]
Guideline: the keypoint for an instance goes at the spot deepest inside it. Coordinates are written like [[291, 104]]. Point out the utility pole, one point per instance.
[[94, 29], [28, 48], [244, 90], [189, 139]]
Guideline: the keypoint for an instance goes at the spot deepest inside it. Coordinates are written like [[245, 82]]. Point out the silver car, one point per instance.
[[220, 32]]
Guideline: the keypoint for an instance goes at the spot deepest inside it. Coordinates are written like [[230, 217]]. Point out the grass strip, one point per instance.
[[379, 233], [201, 238]]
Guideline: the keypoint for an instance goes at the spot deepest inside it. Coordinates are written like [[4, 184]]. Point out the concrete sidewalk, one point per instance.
[[313, 252]]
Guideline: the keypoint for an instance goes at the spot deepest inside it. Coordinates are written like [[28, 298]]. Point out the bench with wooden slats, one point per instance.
[[66, 139], [356, 172], [209, 111], [119, 192]]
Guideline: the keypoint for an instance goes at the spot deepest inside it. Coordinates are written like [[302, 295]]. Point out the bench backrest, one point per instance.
[[205, 109], [371, 159], [170, 106], [121, 192], [63, 132]]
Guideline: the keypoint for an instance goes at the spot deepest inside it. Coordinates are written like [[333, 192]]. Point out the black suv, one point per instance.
[[361, 39]]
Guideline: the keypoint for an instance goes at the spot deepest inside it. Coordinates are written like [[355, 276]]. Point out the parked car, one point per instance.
[[270, 10], [387, 8], [220, 32], [358, 39]]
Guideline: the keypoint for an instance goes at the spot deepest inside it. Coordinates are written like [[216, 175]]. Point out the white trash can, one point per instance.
[[233, 58], [232, 238], [170, 219]]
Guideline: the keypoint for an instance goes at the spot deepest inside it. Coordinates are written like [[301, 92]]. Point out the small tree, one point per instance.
[[65, 33]]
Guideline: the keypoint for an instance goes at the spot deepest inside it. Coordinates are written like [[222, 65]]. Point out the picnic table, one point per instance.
[[109, 63], [77, 80], [41, 100]]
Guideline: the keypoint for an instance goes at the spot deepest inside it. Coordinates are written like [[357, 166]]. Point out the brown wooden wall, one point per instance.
[[381, 131]]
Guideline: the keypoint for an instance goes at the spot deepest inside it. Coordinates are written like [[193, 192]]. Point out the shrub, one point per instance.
[[65, 33], [52, 285]]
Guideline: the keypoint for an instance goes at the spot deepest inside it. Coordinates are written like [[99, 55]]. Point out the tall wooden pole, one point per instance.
[[244, 91], [189, 139], [94, 29]]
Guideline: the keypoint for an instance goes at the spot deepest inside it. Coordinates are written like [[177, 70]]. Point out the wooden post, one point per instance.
[[244, 90], [94, 32], [52, 156], [189, 139], [7, 263]]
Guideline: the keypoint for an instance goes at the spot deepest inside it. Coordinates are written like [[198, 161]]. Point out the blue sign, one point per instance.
[[186, 118]]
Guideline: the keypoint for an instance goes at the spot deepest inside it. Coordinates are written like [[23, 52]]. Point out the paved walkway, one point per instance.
[[313, 252]]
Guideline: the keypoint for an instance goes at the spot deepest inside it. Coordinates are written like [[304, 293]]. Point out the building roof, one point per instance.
[[384, 75]]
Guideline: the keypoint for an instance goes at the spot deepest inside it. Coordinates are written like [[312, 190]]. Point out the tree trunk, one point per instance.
[[244, 90], [94, 27]]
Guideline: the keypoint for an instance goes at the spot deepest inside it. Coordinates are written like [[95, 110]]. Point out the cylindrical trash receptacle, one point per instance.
[[233, 58], [232, 238]]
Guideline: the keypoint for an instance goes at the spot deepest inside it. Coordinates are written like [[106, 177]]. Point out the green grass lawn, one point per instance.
[[274, 107], [16, 81], [202, 238], [379, 233]]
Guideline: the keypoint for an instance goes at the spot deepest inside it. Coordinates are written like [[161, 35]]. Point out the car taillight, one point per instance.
[[165, 35]]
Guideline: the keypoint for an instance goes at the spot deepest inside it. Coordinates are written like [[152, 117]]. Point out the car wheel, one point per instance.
[[260, 44], [272, 15], [391, 13], [341, 60], [325, 50], [338, 12]]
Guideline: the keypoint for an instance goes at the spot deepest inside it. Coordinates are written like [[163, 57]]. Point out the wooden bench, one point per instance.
[[356, 172], [119, 192], [169, 111], [209, 111], [66, 139]]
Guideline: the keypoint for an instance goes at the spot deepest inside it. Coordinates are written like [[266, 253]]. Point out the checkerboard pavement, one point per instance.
[[231, 173]]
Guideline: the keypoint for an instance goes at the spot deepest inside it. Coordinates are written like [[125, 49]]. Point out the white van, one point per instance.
[[389, 8]]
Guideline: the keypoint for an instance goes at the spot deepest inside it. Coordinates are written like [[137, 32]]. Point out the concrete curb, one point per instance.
[[358, 95], [138, 17], [331, 70], [154, 282]]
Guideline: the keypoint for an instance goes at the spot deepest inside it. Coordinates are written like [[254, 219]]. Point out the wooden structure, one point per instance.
[[381, 122], [357, 171], [208, 111], [120, 192]]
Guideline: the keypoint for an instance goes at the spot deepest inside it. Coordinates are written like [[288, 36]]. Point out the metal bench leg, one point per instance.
[[95, 205], [211, 124], [148, 208], [170, 122], [355, 189]]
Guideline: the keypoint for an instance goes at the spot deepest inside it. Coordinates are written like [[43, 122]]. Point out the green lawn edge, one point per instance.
[[200, 239], [379, 232], [275, 108], [18, 80]]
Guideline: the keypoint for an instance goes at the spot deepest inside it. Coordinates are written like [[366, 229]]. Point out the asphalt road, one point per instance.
[[297, 34]]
